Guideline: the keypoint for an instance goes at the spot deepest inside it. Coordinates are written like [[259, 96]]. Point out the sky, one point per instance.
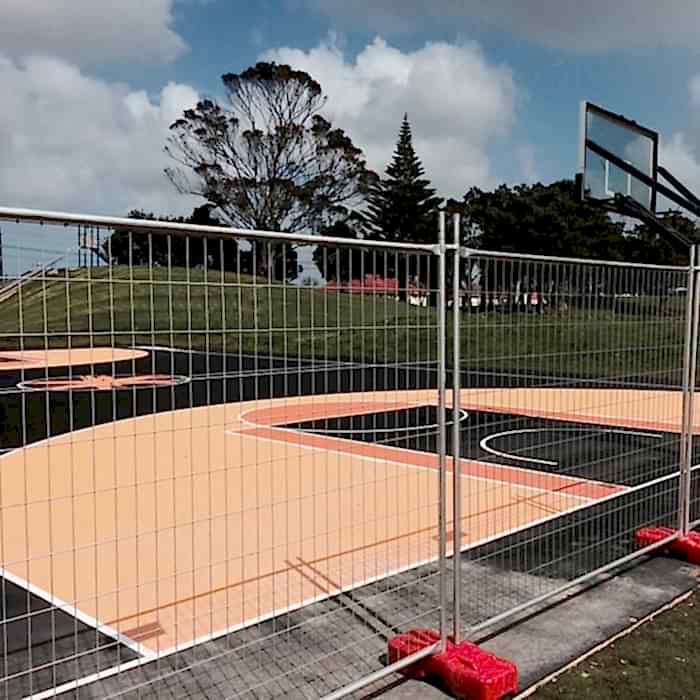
[[492, 88]]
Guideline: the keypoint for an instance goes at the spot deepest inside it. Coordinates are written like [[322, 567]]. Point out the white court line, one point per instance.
[[507, 455], [259, 356], [414, 429], [244, 421], [177, 380], [310, 361], [71, 610]]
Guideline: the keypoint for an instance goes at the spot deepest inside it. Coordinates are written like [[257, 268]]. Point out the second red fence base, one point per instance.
[[686, 547], [463, 669]]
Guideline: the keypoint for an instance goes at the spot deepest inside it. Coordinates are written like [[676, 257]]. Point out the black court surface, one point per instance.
[[594, 452]]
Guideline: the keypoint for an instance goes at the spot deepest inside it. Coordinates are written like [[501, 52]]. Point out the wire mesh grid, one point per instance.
[[226, 476], [572, 376], [219, 477]]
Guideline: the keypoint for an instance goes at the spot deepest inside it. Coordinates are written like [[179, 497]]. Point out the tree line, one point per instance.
[[267, 159]]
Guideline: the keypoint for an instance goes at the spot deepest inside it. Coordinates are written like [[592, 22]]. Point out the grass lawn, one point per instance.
[[180, 307], [658, 660]]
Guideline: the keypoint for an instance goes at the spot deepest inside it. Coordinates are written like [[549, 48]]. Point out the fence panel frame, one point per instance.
[[449, 445], [147, 230], [686, 468]]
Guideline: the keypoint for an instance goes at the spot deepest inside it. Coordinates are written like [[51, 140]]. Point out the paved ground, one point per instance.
[[545, 641]]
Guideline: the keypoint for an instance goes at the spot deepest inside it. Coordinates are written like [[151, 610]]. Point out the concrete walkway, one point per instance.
[[550, 638]]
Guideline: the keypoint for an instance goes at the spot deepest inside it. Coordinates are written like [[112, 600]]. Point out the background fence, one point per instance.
[[225, 476]]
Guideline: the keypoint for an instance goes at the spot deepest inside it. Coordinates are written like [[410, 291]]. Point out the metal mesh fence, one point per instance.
[[572, 374], [206, 484], [226, 461]]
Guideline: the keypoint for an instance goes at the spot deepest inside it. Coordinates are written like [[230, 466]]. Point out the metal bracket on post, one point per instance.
[[456, 438], [689, 378]]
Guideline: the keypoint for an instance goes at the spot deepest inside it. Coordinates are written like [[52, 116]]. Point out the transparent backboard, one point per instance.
[[600, 177]]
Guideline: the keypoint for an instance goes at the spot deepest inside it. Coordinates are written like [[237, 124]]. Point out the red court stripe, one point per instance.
[[296, 413], [555, 483]]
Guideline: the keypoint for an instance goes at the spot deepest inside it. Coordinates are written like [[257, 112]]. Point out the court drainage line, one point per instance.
[[602, 645]]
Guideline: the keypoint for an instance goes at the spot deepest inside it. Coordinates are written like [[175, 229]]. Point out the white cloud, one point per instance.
[[681, 153], [458, 104], [90, 31], [71, 142], [596, 25]]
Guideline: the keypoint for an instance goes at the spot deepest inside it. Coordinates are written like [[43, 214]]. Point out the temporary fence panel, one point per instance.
[[572, 375], [236, 463], [219, 477]]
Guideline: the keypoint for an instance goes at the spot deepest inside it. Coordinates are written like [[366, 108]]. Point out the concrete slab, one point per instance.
[[548, 639]]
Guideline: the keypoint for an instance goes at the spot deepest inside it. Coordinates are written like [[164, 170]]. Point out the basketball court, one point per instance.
[[165, 529]]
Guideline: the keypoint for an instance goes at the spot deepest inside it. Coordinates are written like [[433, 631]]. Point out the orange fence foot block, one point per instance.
[[686, 547], [464, 670]]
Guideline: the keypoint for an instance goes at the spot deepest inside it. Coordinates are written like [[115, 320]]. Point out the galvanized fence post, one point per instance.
[[456, 415], [689, 378], [442, 428]]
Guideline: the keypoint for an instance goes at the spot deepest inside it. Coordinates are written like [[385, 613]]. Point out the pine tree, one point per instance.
[[402, 206]]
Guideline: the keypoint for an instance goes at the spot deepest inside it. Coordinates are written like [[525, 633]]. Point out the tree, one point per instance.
[[647, 244], [545, 220], [542, 219], [344, 263], [126, 247], [268, 159], [403, 206]]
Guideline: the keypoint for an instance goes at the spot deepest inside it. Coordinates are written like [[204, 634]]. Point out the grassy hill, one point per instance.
[[125, 306]]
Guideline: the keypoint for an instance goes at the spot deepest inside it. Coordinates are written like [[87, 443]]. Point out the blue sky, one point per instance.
[[649, 83], [492, 87]]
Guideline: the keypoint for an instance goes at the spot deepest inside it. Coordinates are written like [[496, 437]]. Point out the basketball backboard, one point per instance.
[[606, 141]]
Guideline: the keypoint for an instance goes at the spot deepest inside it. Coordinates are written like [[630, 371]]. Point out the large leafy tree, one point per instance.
[[539, 219], [647, 244], [139, 247], [542, 219], [267, 158], [402, 206]]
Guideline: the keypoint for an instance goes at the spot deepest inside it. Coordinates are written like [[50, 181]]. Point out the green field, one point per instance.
[[186, 308]]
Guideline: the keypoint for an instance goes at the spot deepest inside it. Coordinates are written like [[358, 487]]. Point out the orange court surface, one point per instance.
[[167, 529]]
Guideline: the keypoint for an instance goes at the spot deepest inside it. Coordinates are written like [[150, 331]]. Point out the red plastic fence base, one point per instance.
[[463, 669], [685, 547]]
